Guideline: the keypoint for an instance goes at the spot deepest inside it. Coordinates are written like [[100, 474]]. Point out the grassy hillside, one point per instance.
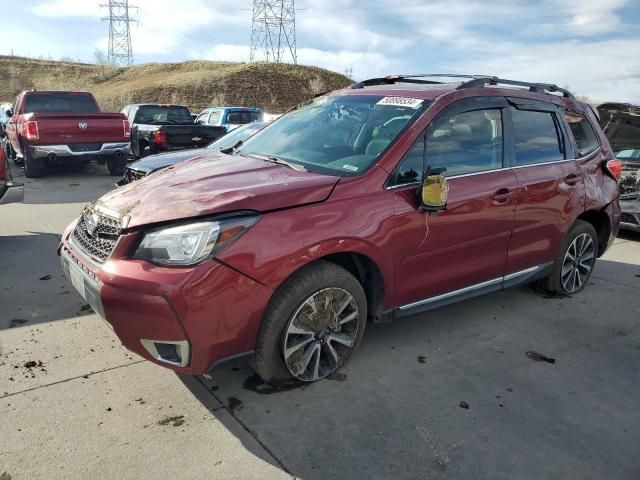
[[197, 84]]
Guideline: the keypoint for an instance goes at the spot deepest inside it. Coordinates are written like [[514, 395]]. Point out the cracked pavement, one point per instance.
[[74, 403]]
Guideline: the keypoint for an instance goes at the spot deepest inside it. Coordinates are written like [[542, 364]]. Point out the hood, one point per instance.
[[621, 124], [161, 160], [216, 183]]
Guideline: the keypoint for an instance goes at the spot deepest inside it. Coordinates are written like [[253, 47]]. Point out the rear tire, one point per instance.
[[327, 335], [574, 264], [117, 166], [33, 167]]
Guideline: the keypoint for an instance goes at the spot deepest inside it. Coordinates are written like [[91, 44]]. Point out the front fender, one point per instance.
[[283, 242]]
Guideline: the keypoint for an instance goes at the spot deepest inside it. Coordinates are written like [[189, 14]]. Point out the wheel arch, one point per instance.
[[368, 274], [602, 224]]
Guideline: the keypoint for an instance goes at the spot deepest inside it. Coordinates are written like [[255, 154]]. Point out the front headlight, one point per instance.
[[191, 243]]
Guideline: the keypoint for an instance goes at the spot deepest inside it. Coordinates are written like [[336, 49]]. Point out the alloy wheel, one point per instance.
[[321, 334], [578, 262]]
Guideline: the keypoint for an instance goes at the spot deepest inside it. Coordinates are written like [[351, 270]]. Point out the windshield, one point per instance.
[[633, 155], [240, 134], [60, 103], [163, 114], [341, 135]]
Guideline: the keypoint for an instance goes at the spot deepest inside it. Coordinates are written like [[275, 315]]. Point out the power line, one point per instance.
[[273, 30], [120, 50]]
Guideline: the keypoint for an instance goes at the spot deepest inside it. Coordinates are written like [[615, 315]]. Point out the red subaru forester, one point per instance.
[[386, 199]]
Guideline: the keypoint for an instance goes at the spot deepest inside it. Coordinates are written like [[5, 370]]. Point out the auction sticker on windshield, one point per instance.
[[401, 102]]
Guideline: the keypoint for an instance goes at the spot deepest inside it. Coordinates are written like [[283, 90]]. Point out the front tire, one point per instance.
[[574, 263], [313, 324]]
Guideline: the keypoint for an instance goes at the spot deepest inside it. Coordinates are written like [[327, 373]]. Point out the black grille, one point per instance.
[[628, 218], [131, 175], [85, 147], [99, 245]]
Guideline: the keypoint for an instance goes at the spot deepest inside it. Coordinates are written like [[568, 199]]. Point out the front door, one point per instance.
[[465, 246]]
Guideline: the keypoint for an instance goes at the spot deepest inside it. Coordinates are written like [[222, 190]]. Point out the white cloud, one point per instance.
[[602, 71]]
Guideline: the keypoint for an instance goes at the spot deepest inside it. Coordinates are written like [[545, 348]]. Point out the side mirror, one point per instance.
[[9, 113], [434, 193]]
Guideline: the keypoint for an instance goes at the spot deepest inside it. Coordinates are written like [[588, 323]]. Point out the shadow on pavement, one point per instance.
[[33, 288], [66, 184], [395, 410]]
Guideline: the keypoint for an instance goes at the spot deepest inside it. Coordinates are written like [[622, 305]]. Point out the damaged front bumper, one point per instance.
[[630, 218]]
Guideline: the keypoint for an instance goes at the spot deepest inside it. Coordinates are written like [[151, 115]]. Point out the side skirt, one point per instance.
[[511, 280]]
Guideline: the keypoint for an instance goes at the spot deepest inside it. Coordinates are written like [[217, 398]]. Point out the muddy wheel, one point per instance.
[[313, 324], [117, 166], [574, 264], [33, 167]]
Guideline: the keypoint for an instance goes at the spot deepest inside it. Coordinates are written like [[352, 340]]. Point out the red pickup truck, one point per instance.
[[50, 127]]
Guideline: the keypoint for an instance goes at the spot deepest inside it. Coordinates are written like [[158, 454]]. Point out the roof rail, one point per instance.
[[474, 81]]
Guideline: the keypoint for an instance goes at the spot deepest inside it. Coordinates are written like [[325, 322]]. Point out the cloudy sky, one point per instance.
[[592, 46]]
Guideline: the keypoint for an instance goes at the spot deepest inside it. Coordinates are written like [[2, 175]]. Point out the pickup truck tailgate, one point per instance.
[[71, 128], [192, 136]]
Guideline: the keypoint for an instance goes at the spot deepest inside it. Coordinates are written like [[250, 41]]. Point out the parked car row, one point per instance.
[[621, 125], [371, 203], [46, 128]]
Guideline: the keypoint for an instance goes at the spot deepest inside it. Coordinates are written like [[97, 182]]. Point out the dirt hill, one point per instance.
[[198, 84]]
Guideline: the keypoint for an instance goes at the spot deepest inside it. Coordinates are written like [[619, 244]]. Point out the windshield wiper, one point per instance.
[[279, 161]]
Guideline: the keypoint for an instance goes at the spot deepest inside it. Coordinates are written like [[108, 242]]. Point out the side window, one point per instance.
[[202, 118], [467, 142], [537, 137], [583, 132], [410, 168]]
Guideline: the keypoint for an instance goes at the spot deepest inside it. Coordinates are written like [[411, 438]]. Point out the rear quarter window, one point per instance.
[[583, 133], [537, 137]]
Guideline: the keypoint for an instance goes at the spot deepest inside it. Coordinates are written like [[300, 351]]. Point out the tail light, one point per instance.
[[160, 139], [31, 130], [126, 127], [614, 167]]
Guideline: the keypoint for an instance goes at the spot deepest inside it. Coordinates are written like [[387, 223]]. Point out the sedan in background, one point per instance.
[[153, 163]]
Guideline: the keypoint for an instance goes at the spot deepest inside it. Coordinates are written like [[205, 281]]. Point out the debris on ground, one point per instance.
[[32, 364], [422, 359], [5, 476], [538, 357], [175, 421], [233, 403], [85, 308], [109, 409], [257, 385], [17, 321], [46, 277], [618, 333], [337, 376], [464, 405]]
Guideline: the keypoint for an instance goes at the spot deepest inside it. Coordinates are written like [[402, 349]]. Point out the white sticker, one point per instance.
[[401, 102], [350, 167]]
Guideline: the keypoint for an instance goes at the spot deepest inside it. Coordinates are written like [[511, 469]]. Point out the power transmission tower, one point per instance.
[[120, 51], [273, 30]]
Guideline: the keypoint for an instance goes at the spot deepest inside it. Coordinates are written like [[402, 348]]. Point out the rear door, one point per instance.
[[464, 246], [550, 191]]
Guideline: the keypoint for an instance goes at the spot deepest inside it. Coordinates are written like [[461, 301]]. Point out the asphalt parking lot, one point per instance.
[[75, 404]]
